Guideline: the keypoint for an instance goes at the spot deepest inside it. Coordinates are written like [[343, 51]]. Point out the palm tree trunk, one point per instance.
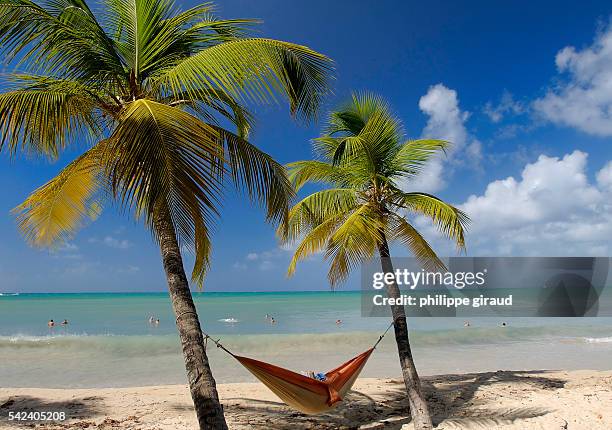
[[201, 382], [418, 405]]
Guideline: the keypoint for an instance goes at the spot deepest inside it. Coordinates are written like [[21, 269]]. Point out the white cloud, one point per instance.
[[82, 268], [552, 209], [239, 266], [430, 179], [67, 251], [583, 99], [266, 265], [68, 247], [116, 243], [446, 121], [604, 177], [128, 269], [546, 189], [290, 246], [112, 242], [473, 152], [265, 260], [506, 106]]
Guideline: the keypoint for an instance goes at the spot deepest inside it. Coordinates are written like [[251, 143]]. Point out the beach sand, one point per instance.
[[491, 400]]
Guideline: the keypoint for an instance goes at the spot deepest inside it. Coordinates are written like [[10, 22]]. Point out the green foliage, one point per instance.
[[365, 160], [53, 212], [42, 115], [147, 87]]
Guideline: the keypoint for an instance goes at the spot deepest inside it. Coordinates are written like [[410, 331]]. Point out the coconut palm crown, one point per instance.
[[366, 162], [145, 88]]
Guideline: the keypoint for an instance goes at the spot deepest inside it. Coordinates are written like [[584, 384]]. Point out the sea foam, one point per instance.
[[598, 339]]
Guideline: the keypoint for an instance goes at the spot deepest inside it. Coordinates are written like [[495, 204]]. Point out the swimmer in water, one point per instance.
[[466, 324], [503, 324], [338, 322], [51, 323], [64, 323], [272, 320]]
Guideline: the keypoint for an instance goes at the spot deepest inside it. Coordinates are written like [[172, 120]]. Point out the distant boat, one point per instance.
[[9, 294], [229, 320]]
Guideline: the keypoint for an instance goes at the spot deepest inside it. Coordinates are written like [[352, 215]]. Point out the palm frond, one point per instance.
[[363, 152], [55, 211], [413, 155], [315, 209], [351, 118], [264, 180], [154, 36], [160, 156], [353, 242], [141, 33], [254, 70], [200, 244], [449, 220], [399, 229], [315, 240], [212, 102], [363, 134], [202, 250], [302, 172], [373, 145], [44, 114], [61, 37], [202, 28]]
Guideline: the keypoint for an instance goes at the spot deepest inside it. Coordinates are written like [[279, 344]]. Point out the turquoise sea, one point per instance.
[[109, 341]]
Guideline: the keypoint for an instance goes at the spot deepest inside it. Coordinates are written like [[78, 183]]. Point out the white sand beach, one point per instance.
[[492, 400]]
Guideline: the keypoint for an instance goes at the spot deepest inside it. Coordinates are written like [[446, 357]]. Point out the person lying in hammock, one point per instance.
[[318, 376], [310, 394]]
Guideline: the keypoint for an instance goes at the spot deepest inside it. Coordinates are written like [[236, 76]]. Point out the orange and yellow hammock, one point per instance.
[[308, 395]]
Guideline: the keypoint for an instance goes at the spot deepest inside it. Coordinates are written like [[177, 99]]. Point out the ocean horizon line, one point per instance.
[[19, 293]]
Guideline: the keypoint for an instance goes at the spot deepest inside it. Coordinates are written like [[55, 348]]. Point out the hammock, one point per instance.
[[308, 395]]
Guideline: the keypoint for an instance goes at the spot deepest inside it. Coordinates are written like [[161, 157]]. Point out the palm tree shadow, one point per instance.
[[85, 408], [449, 398]]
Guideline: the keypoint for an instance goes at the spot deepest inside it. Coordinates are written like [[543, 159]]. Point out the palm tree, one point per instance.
[[146, 89], [364, 158]]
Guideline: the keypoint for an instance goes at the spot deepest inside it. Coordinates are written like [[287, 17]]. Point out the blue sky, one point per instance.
[[523, 89]]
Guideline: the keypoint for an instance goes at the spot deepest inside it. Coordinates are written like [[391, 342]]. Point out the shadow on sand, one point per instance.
[[82, 409], [450, 397]]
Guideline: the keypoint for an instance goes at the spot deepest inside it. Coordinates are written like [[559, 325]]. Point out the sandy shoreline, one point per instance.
[[503, 399]]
